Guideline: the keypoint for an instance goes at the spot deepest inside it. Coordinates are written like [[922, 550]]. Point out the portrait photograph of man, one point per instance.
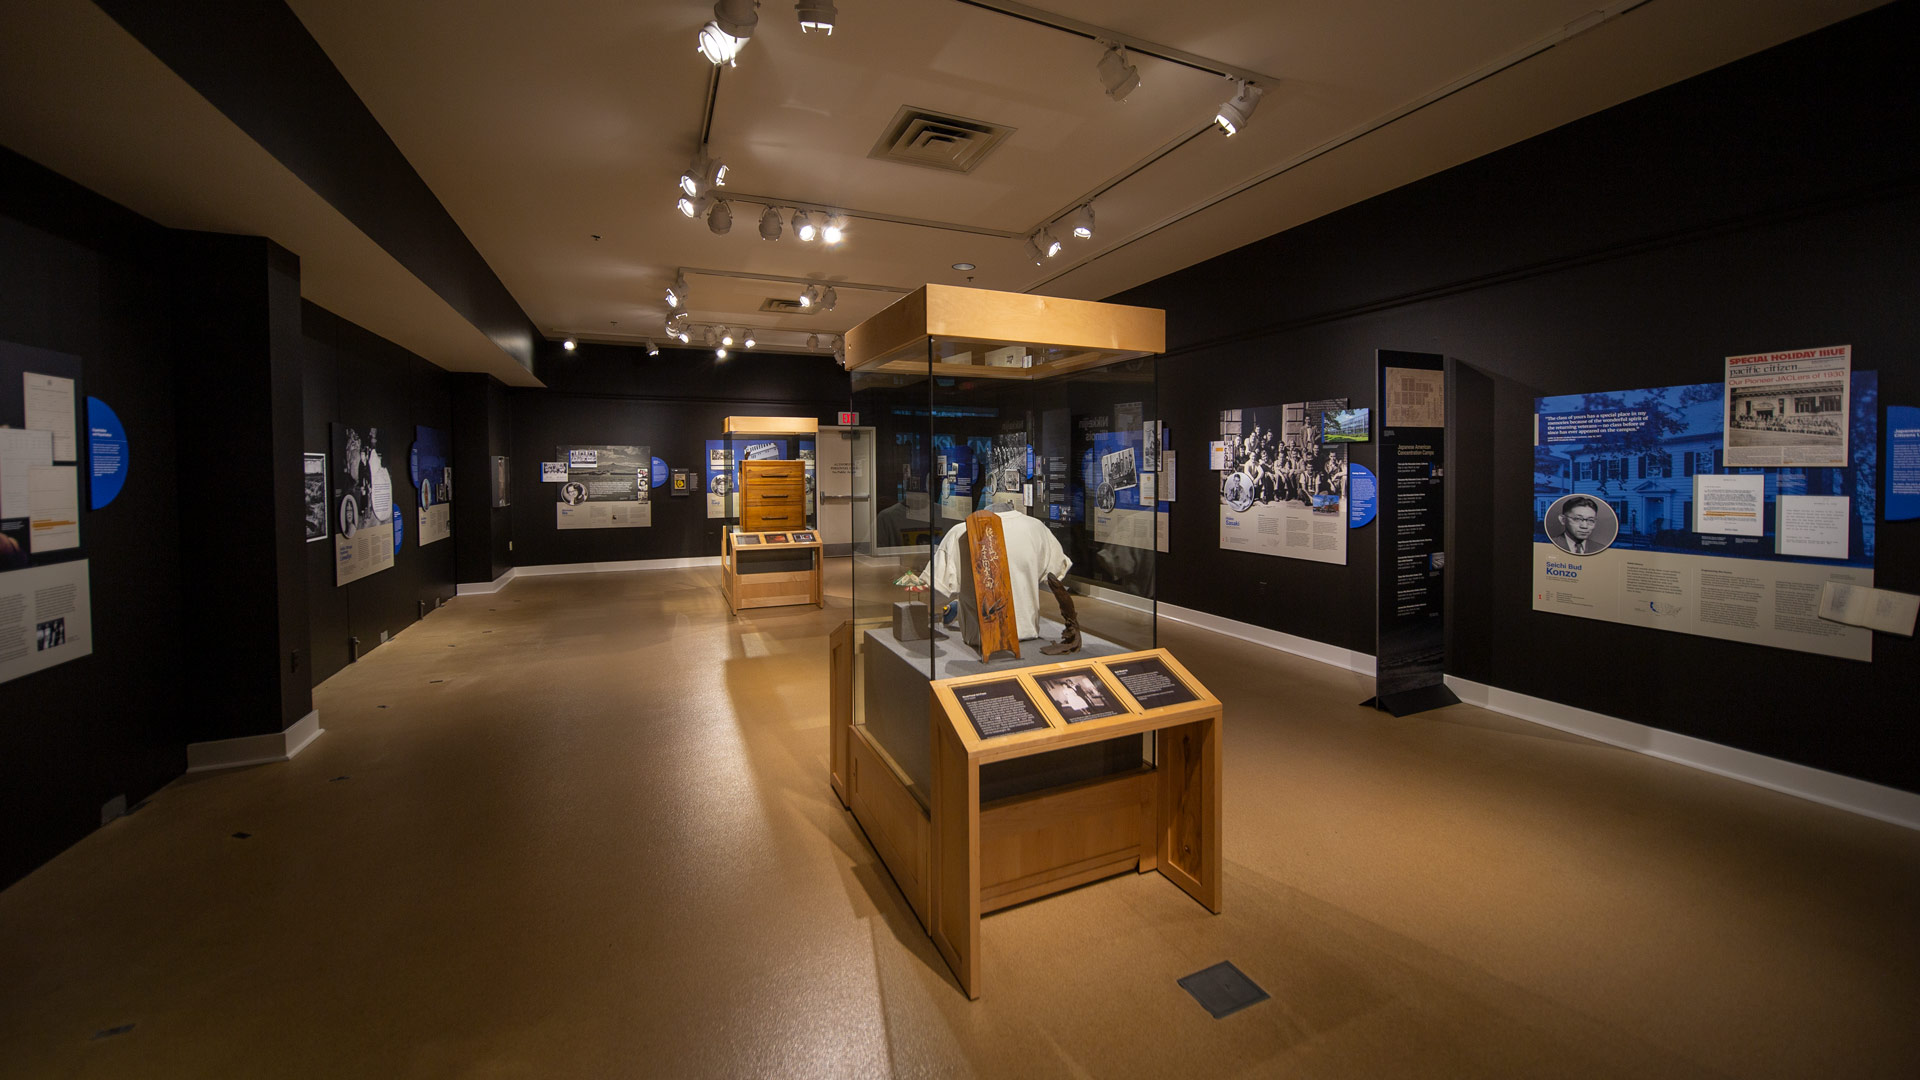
[[1581, 525]]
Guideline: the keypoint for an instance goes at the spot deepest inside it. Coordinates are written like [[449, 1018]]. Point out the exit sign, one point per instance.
[[849, 419]]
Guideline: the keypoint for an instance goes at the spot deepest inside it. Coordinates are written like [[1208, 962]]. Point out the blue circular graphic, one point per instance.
[[107, 455], [399, 517], [1363, 496], [659, 473]]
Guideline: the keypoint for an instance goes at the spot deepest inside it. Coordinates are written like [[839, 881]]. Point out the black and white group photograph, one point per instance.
[[1283, 490], [1277, 457]]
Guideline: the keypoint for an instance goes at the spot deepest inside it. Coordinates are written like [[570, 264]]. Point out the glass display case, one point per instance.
[[761, 481], [1043, 411]]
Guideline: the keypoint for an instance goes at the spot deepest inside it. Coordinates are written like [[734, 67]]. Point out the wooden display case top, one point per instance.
[[1062, 335], [1131, 717], [770, 425]]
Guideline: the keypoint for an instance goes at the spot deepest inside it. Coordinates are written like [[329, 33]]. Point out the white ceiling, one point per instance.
[[543, 126]]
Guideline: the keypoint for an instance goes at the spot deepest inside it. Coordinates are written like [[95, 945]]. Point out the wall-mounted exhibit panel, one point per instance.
[[1638, 518], [601, 487], [431, 465], [46, 610], [1283, 483], [364, 538]]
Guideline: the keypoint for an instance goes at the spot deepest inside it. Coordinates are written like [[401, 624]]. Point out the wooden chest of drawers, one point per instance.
[[773, 495]]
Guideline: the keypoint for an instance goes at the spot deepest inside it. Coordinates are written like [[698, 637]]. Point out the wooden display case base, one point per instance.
[[956, 859], [758, 575]]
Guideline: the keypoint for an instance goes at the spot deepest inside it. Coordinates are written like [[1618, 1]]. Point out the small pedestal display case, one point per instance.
[[770, 549], [1003, 725]]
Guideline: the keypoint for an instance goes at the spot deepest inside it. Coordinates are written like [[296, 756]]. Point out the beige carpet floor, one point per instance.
[[582, 828]]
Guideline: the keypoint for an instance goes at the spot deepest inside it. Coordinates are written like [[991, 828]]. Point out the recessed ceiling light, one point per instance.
[[963, 266]]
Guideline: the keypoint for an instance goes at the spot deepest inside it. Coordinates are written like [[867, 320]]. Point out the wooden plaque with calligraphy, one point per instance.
[[992, 585]]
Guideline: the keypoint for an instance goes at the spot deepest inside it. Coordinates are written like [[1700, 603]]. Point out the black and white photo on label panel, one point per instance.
[[1277, 457]]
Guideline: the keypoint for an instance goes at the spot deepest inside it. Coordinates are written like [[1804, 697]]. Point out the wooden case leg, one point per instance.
[[955, 861], [1188, 834]]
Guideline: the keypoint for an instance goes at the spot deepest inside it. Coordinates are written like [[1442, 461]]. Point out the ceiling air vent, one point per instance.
[[785, 305], [935, 140]]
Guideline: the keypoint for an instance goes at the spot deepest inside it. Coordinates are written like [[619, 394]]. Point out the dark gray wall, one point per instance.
[[363, 380], [82, 276], [1773, 203], [673, 403]]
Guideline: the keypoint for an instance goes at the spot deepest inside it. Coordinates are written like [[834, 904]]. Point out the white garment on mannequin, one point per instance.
[[1032, 554]]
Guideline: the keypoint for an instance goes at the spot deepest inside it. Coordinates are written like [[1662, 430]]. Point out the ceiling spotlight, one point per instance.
[[836, 229], [748, 341], [803, 226], [567, 344], [770, 223], [719, 354], [691, 207], [1235, 110], [1082, 222], [720, 218], [1033, 250], [813, 341], [726, 336], [1048, 244], [721, 40], [683, 336], [816, 16], [809, 295], [703, 174], [828, 298], [677, 321], [652, 349], [677, 292], [1119, 77]]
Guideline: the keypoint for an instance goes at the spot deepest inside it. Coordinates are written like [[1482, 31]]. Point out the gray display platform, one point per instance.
[[899, 718]]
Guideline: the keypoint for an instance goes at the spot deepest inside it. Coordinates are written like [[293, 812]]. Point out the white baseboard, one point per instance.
[[483, 588], [1359, 662], [1861, 797], [1815, 785], [1112, 596], [254, 749], [550, 569]]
